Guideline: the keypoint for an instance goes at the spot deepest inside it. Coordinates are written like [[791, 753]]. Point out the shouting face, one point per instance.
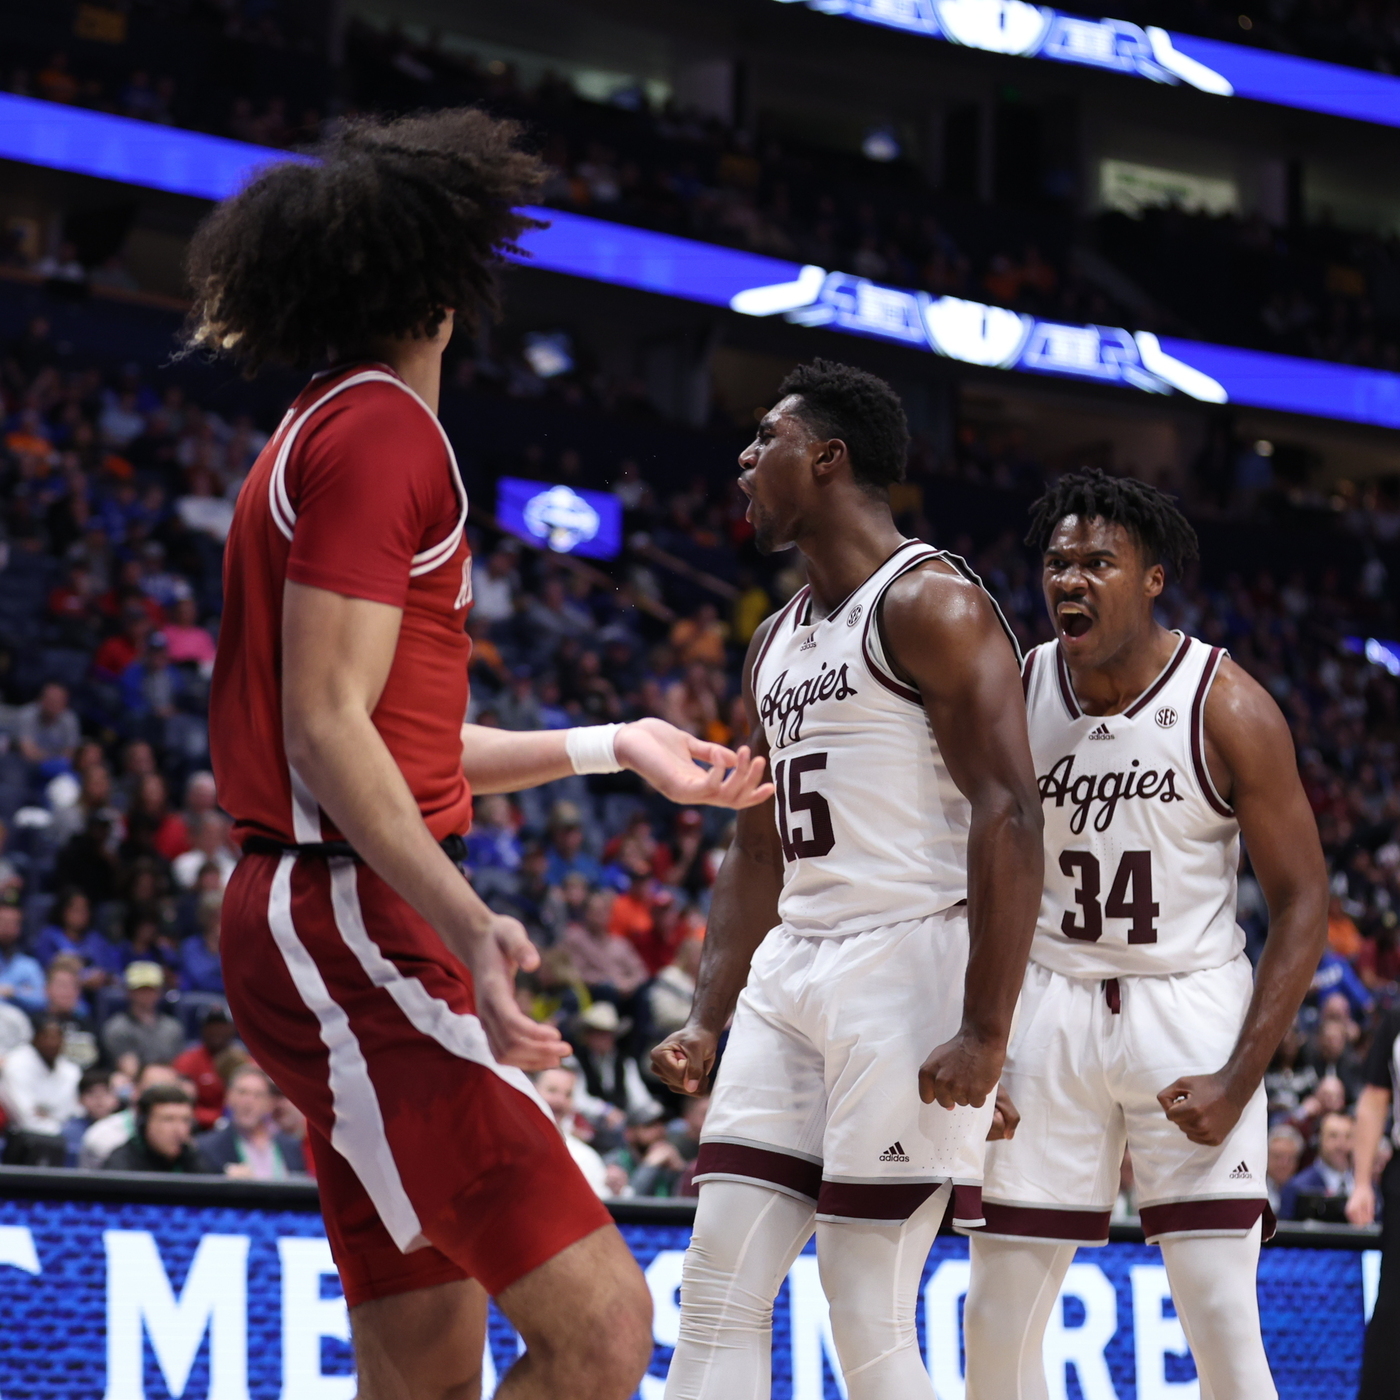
[[1098, 588]]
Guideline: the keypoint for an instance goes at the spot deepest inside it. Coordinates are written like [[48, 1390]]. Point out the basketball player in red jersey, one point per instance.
[[365, 975]]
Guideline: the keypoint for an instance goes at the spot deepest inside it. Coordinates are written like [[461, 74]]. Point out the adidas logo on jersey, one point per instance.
[[809, 644], [894, 1153], [1242, 1173], [1102, 732]]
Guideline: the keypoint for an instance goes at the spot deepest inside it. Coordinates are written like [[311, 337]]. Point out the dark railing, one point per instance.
[[46, 1183]]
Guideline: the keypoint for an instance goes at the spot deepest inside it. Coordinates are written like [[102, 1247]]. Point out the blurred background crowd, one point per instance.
[[116, 487]]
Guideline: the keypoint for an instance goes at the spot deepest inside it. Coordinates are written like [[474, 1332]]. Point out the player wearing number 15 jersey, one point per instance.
[[1141, 1023], [892, 885]]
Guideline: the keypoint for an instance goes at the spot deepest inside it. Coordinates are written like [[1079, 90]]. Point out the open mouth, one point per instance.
[[1074, 621]]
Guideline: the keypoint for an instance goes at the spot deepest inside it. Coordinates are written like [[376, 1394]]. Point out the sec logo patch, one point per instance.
[[1166, 717]]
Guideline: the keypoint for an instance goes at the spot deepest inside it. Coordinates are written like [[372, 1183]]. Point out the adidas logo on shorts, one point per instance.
[[1102, 732], [894, 1153], [1242, 1173]]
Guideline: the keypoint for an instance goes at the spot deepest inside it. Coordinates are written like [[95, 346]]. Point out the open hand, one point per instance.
[[514, 1038], [962, 1071], [1361, 1204], [683, 1060], [668, 759], [1202, 1106]]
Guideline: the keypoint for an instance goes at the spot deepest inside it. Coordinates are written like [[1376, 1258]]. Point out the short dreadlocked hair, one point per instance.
[[1162, 532], [843, 402], [388, 227]]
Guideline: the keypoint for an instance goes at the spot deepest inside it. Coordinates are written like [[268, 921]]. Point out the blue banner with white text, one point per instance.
[[144, 1301]]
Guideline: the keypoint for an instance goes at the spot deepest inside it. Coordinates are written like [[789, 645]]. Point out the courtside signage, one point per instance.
[[105, 1300], [1116, 46], [969, 332]]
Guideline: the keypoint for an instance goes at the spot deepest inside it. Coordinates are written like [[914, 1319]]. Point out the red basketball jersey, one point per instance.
[[358, 493]]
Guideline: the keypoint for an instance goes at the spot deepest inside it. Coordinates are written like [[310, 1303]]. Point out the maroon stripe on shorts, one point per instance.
[[967, 1205], [887, 1200], [1187, 1217], [759, 1164], [1041, 1223]]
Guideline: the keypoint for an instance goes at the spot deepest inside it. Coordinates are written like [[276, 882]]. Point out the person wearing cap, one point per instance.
[[150, 685], [200, 1065], [143, 1030], [566, 853], [651, 1160], [611, 1074]]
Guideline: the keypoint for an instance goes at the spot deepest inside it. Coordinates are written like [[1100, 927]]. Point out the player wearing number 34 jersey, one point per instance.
[[1140, 1023]]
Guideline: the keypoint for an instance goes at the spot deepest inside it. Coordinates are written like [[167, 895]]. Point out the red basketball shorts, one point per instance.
[[434, 1162]]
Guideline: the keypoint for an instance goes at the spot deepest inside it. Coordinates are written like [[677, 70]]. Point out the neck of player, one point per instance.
[[418, 363], [1113, 683], [845, 547]]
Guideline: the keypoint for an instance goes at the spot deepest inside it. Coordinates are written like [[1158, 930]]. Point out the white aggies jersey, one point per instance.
[[873, 829], [1141, 851]]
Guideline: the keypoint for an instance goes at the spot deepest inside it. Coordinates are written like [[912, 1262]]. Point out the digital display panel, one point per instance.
[[117, 1300], [560, 518], [756, 285], [1117, 46]]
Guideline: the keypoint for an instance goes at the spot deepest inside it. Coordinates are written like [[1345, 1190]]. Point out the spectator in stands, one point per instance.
[[47, 731], [109, 1133], [609, 965], [96, 1100], [200, 968], [21, 977], [249, 1145], [1285, 1152], [200, 1065], [161, 1142], [1329, 1176], [566, 853], [39, 1090], [556, 1087], [151, 825], [143, 1033], [611, 1075], [493, 847], [1330, 1054], [209, 832], [63, 1000], [70, 934], [494, 587], [649, 1158]]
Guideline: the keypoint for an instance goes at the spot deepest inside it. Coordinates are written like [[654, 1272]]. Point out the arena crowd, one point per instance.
[[116, 491]]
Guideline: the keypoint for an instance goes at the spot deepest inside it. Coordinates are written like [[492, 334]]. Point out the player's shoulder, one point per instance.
[[935, 593], [1241, 715]]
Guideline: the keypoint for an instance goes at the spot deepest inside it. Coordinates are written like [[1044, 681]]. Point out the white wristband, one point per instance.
[[591, 748]]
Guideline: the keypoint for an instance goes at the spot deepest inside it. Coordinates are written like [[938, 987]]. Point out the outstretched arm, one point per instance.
[[1250, 754], [743, 909], [505, 760], [942, 632]]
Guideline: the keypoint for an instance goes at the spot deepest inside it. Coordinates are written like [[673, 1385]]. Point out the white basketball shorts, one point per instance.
[[1085, 1078], [818, 1092]]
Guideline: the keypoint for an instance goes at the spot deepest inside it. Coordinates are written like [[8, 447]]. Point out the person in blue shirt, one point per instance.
[[70, 932], [200, 969], [1336, 974], [21, 977], [566, 853]]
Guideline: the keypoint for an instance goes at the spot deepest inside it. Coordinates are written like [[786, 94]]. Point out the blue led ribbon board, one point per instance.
[[957, 329], [1116, 46], [119, 148], [209, 167]]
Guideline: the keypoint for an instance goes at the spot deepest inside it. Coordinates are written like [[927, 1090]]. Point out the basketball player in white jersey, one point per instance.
[[1141, 1023], [892, 885]]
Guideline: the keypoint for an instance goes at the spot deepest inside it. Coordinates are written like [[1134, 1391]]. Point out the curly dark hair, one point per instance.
[[388, 227], [843, 402], [1163, 533]]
